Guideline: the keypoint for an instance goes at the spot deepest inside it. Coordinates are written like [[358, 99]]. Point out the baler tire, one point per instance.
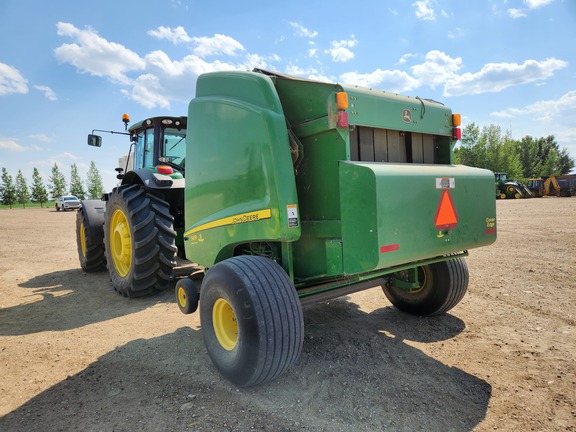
[[186, 296], [90, 242], [252, 320], [443, 285], [139, 240]]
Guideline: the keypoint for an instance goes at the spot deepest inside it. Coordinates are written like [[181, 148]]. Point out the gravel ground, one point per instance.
[[74, 355]]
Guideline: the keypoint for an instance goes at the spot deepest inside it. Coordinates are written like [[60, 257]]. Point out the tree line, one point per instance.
[[18, 192], [523, 159]]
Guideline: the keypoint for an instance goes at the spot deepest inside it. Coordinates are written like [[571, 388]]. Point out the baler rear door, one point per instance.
[[394, 214]]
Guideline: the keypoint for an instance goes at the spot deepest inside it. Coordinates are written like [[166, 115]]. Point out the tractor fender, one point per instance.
[[94, 211], [152, 180]]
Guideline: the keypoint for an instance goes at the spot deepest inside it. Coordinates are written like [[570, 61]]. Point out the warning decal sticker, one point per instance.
[[445, 183], [446, 217], [292, 211]]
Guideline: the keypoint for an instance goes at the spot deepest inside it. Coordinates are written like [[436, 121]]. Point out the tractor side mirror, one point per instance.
[[94, 140]]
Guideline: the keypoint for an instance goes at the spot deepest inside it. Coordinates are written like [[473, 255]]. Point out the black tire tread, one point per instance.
[[449, 287], [277, 307], [95, 258], [153, 241]]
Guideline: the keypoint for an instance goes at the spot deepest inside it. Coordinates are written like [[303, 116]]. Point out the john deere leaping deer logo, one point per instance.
[[406, 115]]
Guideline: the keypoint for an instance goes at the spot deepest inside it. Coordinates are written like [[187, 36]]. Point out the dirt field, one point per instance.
[[74, 355]]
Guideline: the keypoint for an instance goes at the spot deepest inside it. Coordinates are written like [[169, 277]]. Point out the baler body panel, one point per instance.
[[241, 188], [394, 214]]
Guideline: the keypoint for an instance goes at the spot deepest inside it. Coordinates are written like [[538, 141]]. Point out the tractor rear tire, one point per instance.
[[140, 241], [442, 286], [251, 318], [90, 237]]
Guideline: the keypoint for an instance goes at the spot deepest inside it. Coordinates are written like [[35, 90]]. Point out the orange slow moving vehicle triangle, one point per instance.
[[446, 217]]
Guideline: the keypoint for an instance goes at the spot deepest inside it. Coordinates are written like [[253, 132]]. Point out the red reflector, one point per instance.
[[342, 119], [457, 133], [490, 231], [165, 169], [446, 217], [389, 248]]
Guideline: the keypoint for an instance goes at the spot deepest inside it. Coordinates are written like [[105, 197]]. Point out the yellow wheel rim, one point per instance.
[[225, 326], [422, 280], [82, 239], [120, 243], [182, 299]]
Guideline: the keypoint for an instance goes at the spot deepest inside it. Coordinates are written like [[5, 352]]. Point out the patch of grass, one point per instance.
[[49, 204]]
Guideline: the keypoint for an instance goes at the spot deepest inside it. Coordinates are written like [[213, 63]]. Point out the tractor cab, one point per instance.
[[501, 177], [159, 142]]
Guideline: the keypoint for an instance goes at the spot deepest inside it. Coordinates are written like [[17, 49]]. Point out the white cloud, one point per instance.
[[456, 33], [302, 31], [516, 13], [160, 79], [218, 44], [566, 135], [533, 4], [340, 51], [258, 61], [169, 80], [438, 68], [542, 110], [42, 138], [424, 10], [11, 145], [48, 92], [393, 81], [495, 77], [175, 35], [93, 54], [67, 155], [405, 58], [309, 73], [11, 80]]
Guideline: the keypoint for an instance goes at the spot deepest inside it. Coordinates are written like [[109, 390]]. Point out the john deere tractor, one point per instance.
[[136, 230], [511, 189]]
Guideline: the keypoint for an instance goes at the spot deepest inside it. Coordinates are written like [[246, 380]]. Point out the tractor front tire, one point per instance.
[[442, 286], [252, 320], [90, 237], [140, 241]]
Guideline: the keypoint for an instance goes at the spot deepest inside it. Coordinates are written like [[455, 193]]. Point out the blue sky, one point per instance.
[[67, 67]]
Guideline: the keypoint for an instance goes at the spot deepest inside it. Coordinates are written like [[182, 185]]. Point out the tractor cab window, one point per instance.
[[144, 152], [149, 148], [174, 146]]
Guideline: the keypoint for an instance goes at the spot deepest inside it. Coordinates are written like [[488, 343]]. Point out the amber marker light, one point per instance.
[[341, 101], [456, 120]]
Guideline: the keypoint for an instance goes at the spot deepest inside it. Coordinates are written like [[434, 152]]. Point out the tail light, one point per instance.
[[456, 121], [342, 106]]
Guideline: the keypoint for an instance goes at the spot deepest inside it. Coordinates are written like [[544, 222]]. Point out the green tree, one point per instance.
[[76, 186], [58, 182], [94, 182], [22, 192], [565, 163], [466, 153], [530, 157], [39, 192], [7, 189]]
